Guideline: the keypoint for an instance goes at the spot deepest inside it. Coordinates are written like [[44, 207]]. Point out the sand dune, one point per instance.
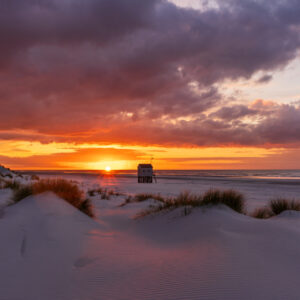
[[50, 250]]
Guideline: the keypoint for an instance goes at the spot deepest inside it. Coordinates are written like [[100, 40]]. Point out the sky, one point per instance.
[[190, 84]]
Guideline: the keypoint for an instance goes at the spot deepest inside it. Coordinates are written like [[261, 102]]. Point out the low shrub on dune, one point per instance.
[[62, 188]]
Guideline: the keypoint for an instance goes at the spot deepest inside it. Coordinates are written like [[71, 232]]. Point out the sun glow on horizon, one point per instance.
[[20, 155]]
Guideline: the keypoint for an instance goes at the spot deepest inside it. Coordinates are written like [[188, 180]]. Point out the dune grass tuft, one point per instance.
[[142, 198], [230, 198], [184, 200], [62, 188], [262, 213], [234, 200], [211, 197], [188, 201], [86, 207], [34, 177], [279, 205], [11, 184], [104, 193], [91, 193], [276, 207], [22, 192], [2, 183]]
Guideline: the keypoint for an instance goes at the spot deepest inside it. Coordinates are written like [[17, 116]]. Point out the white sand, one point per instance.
[[257, 192], [49, 250]]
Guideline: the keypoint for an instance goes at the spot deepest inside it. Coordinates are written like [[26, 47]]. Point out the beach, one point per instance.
[[258, 186], [149, 150], [51, 250]]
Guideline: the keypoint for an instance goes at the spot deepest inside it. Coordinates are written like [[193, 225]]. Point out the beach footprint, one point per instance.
[[83, 262], [23, 245]]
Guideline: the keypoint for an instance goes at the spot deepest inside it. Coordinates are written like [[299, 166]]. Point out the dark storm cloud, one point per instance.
[[264, 79], [234, 112], [26, 23], [90, 69], [281, 127]]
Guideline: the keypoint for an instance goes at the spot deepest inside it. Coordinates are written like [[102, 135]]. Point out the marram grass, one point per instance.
[[64, 189]]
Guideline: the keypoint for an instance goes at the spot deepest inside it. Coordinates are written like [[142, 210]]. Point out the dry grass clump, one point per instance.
[[104, 193], [11, 184], [230, 198], [188, 201], [277, 206], [86, 207], [2, 183], [91, 193], [142, 198], [34, 177], [262, 213], [62, 188], [22, 192]]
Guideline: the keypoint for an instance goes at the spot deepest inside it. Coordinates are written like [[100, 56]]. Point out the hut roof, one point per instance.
[[145, 166]]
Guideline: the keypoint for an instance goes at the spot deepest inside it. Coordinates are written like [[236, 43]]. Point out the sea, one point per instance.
[[183, 174]]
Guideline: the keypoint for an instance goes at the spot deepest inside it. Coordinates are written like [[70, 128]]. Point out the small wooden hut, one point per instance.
[[145, 173]]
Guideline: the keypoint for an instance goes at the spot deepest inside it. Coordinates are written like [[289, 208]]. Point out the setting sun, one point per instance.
[[107, 168]]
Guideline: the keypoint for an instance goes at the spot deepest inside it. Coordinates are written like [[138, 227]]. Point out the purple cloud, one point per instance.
[[111, 70]]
